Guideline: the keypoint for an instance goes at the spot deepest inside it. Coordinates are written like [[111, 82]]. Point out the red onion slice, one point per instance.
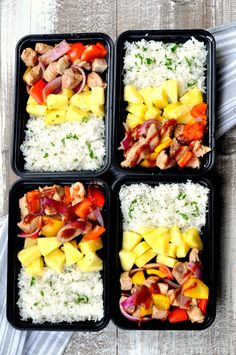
[[82, 72], [146, 124], [132, 318], [70, 231], [57, 205], [125, 144], [99, 216], [196, 269], [51, 87], [53, 54], [42, 66], [132, 272], [29, 235], [171, 283]]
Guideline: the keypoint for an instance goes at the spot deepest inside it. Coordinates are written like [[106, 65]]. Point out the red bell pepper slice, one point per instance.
[[67, 195], [95, 233], [102, 48], [76, 51], [199, 110], [183, 161], [178, 315], [96, 196], [36, 91], [94, 51], [193, 131], [33, 201], [165, 270], [84, 208], [202, 304]]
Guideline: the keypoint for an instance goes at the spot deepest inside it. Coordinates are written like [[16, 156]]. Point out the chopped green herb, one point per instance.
[[32, 281], [192, 84], [91, 152], [183, 215], [150, 61], [45, 155], [63, 140], [169, 63], [181, 196], [174, 48], [52, 144], [66, 303], [36, 303], [131, 207], [144, 49], [81, 299], [189, 61], [42, 293], [140, 57], [57, 116], [84, 119], [50, 283], [195, 212]]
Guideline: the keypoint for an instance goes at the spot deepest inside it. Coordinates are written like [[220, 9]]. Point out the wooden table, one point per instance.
[[19, 18]]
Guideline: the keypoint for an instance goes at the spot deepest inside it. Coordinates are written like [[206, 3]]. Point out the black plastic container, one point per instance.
[[207, 259], [21, 97], [15, 244], [167, 36]]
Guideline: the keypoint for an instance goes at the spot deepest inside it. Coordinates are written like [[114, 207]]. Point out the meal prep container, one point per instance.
[[178, 36], [21, 97], [15, 244], [207, 259]]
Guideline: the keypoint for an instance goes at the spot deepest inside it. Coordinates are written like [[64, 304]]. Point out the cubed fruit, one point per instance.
[[36, 110], [176, 236], [86, 88], [156, 272], [28, 255], [130, 240], [138, 278], [56, 101], [146, 94], [97, 110], [32, 101], [161, 302], [87, 246], [164, 143], [55, 117], [158, 239], [152, 113], [195, 288], [51, 226], [47, 245], [36, 268], [171, 250], [55, 260], [132, 95], [166, 260], [193, 239], [144, 229], [29, 242], [67, 92], [182, 250], [175, 110], [171, 88], [192, 97], [185, 117], [146, 311], [141, 248], [97, 96], [74, 243], [138, 110], [82, 100], [159, 97], [133, 121], [127, 259], [90, 262], [73, 255], [145, 258], [75, 114]]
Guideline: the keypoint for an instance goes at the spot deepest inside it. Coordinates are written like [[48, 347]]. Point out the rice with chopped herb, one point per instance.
[[55, 297], [165, 205], [68, 146], [152, 62]]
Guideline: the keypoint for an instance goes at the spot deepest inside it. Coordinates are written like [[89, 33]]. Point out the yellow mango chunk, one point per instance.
[[36, 268], [145, 258], [97, 110], [127, 259], [29, 242], [130, 240], [152, 113], [90, 262], [192, 97], [97, 96], [87, 246], [158, 239], [161, 302], [51, 226], [171, 250], [55, 260], [146, 94], [73, 255], [67, 92], [193, 239], [141, 248], [138, 110], [75, 114], [144, 229], [159, 97], [166, 260], [176, 236], [176, 110], [182, 250], [133, 121], [47, 245], [195, 288], [82, 100], [36, 110], [28, 255], [156, 272], [132, 95], [32, 101], [185, 117], [55, 117], [171, 88], [56, 101], [138, 278]]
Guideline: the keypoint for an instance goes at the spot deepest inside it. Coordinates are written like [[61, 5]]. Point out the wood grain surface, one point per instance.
[[19, 18]]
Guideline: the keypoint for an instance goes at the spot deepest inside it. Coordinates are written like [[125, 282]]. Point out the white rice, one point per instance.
[[184, 205], [61, 297], [64, 147], [152, 62]]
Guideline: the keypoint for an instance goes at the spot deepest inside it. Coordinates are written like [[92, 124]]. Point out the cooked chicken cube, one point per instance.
[[172, 294], [163, 161], [199, 149], [71, 78], [34, 75], [51, 72], [29, 57], [42, 48], [30, 225], [181, 272], [179, 129], [77, 193], [136, 153], [163, 287], [194, 256], [83, 64], [159, 314], [194, 163], [195, 314], [62, 64], [99, 65], [174, 148], [125, 281], [94, 80], [24, 211]]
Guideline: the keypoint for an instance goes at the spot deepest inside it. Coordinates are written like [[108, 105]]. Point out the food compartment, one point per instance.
[[164, 93], [152, 257], [60, 127], [40, 265]]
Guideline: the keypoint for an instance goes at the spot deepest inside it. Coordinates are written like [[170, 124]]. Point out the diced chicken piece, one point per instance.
[[193, 302], [179, 129], [195, 315], [153, 138], [163, 161], [34, 75], [125, 281], [180, 272], [199, 149], [29, 57], [77, 193], [129, 310], [135, 154], [59, 193], [172, 296], [175, 146], [62, 64], [194, 163], [148, 282], [83, 64], [163, 287], [51, 72], [194, 256], [30, 224], [135, 289], [71, 78], [159, 314], [42, 48], [94, 80], [182, 152], [24, 211], [99, 65]]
